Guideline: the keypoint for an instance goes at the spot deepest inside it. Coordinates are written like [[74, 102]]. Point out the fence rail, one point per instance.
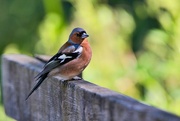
[[71, 101]]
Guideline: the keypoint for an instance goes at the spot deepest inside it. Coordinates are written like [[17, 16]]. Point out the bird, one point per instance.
[[70, 60]]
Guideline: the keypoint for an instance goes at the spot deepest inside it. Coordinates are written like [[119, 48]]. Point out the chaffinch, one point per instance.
[[71, 59]]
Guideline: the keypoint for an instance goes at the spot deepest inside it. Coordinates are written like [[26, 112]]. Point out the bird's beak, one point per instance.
[[84, 35]]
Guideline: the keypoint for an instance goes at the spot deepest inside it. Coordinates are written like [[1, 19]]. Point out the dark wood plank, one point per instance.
[[56, 100]]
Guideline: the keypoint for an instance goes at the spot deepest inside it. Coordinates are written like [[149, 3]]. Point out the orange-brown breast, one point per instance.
[[76, 66], [87, 52]]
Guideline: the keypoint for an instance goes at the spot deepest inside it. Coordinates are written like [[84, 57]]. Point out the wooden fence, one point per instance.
[[72, 101]]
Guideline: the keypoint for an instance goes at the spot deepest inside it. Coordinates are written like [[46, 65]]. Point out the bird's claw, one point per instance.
[[76, 78], [65, 82]]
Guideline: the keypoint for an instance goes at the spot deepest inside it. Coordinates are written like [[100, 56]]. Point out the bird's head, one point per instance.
[[77, 36]]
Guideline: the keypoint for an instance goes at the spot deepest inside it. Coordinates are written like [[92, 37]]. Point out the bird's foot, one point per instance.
[[65, 82], [76, 78]]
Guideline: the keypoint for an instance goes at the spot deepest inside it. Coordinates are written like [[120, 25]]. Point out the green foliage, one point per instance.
[[135, 43], [19, 23], [3, 117]]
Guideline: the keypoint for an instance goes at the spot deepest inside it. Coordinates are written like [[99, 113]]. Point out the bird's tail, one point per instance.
[[41, 79]]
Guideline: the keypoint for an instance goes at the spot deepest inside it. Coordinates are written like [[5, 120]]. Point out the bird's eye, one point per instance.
[[78, 35]]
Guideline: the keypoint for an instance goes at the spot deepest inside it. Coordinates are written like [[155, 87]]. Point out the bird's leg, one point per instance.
[[65, 82]]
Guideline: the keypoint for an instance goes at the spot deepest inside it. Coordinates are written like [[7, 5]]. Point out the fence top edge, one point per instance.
[[89, 87]]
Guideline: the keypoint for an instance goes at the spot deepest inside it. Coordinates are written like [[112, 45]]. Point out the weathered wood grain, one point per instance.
[[72, 101]]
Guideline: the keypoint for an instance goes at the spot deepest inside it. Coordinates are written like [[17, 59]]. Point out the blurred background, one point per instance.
[[135, 43]]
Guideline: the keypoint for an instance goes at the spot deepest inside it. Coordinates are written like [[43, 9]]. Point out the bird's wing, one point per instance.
[[69, 49], [60, 59], [57, 60]]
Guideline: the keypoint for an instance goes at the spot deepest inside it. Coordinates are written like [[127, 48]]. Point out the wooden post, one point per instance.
[[72, 101]]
